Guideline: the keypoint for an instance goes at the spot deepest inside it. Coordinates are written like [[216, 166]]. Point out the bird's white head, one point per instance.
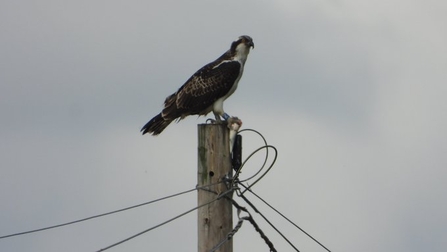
[[241, 48]]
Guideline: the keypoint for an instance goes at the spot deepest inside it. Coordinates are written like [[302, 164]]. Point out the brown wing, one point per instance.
[[208, 84]]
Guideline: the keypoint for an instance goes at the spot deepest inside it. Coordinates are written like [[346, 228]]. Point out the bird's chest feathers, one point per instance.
[[241, 57]]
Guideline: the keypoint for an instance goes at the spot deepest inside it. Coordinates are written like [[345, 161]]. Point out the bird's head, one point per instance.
[[241, 47]]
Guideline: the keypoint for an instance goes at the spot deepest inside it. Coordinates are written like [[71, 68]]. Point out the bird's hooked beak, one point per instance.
[[248, 41], [251, 44]]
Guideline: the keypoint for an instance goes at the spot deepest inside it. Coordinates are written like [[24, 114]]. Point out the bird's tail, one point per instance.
[[156, 125]]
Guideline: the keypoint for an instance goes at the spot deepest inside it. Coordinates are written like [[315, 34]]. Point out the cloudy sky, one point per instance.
[[352, 93]]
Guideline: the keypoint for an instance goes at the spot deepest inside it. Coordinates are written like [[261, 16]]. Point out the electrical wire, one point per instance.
[[108, 213], [265, 218], [229, 235], [282, 215], [165, 222], [258, 175], [268, 169], [254, 152], [266, 147], [248, 188], [250, 219]]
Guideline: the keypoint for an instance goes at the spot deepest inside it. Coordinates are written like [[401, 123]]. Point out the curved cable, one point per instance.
[[265, 159], [248, 188], [268, 169]]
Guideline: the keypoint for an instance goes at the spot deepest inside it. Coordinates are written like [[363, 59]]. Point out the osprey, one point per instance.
[[205, 90]]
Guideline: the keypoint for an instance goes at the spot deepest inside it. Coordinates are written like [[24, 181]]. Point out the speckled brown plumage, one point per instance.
[[198, 94]]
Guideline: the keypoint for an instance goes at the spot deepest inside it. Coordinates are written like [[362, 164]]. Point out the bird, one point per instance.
[[206, 89]]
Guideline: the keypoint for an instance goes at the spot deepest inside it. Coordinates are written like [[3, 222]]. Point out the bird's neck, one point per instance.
[[241, 54]]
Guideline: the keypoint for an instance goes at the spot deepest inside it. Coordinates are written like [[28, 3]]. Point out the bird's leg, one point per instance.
[[218, 120], [225, 117]]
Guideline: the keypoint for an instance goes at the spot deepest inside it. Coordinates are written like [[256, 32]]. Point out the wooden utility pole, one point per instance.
[[215, 221]]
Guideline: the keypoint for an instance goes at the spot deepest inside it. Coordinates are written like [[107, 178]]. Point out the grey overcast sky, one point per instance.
[[352, 93]]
